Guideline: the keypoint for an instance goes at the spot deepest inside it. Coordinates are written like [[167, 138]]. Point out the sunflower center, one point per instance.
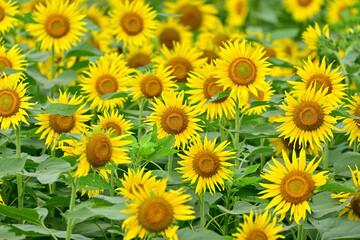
[[155, 214], [308, 116], [168, 36], [174, 121], [297, 186], [4, 63], [319, 81], [191, 16], [220, 39], [94, 20], [132, 24], [151, 86], [355, 205], [98, 149], [139, 60], [206, 164], [57, 25], [239, 7], [256, 234], [357, 113], [242, 71], [2, 15], [61, 124], [260, 95], [181, 67], [210, 55], [211, 88], [269, 52], [9, 102], [106, 84], [304, 2], [112, 125]]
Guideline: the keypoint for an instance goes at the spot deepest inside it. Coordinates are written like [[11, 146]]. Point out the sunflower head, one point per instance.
[[353, 125], [238, 11], [301, 10], [115, 122], [12, 58], [8, 9], [172, 31], [312, 36]]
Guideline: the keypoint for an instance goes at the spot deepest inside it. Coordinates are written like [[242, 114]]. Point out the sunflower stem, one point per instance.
[[222, 134], [170, 163], [141, 103], [112, 224], [18, 176], [238, 120], [299, 233], [262, 155], [325, 156], [356, 144], [343, 69], [202, 215], [52, 69], [71, 208]]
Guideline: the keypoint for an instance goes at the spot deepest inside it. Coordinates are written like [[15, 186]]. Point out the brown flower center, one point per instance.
[[191, 16], [211, 88], [181, 67], [174, 121], [168, 36], [242, 71], [57, 26], [355, 205], [2, 15], [98, 149], [357, 113], [132, 24], [239, 7], [61, 124], [106, 84], [304, 3], [206, 163], [210, 55], [9, 102], [112, 125], [4, 63], [220, 39], [319, 81], [308, 116], [256, 234], [139, 60], [269, 52], [297, 186], [151, 86], [260, 95]]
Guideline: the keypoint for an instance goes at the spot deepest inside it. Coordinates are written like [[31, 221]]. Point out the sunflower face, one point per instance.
[[12, 59], [353, 125], [171, 32], [139, 56], [174, 121], [61, 124], [302, 9], [238, 11], [7, 10], [98, 149], [10, 102], [334, 9], [115, 122]]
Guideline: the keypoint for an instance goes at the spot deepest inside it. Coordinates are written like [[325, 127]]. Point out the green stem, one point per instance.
[[299, 233], [262, 155], [170, 163], [213, 219], [343, 69], [325, 156], [112, 224], [52, 69], [237, 129], [356, 144], [141, 108], [71, 208], [48, 230], [18, 176], [222, 134], [202, 215]]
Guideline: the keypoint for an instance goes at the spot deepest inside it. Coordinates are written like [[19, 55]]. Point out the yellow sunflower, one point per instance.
[[335, 7], [140, 56], [263, 95], [153, 84], [319, 76], [97, 149], [281, 144], [12, 59], [173, 117], [195, 14], [203, 86], [242, 69], [353, 125], [28, 7], [183, 59], [7, 10], [52, 126], [172, 31], [133, 181], [58, 25], [292, 185], [206, 164], [156, 211], [260, 228], [312, 35], [301, 10], [237, 12], [353, 207], [13, 103], [97, 16], [110, 74], [116, 122], [307, 119], [133, 22]]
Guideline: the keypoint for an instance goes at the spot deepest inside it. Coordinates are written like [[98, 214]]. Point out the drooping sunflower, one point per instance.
[[260, 228], [335, 8], [8, 9], [242, 69], [97, 149], [116, 122], [172, 31], [281, 144], [301, 10], [133, 181], [12, 59], [155, 211], [312, 35], [195, 14], [206, 164], [292, 185], [353, 125], [110, 74], [182, 58], [307, 119], [263, 95], [58, 25], [153, 84], [353, 207], [140, 56], [52, 126], [13, 103], [237, 12], [173, 117], [203, 86], [319, 76], [133, 22]]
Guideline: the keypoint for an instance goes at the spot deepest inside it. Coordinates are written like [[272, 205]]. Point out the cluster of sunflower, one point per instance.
[[184, 67]]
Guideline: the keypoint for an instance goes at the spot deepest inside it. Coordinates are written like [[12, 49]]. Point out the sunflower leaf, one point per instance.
[[61, 109], [113, 95]]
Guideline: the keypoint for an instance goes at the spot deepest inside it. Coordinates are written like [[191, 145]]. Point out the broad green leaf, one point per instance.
[[203, 234], [335, 187], [91, 26], [11, 166], [62, 109], [38, 56], [39, 78], [93, 181], [65, 78], [322, 204], [241, 207], [83, 49], [72, 136], [260, 149], [6, 233], [50, 170], [264, 129], [347, 159], [342, 113], [336, 228], [113, 95], [27, 214], [284, 33], [280, 63], [9, 71], [162, 152], [164, 14]]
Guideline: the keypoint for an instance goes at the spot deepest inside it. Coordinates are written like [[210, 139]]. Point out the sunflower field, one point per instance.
[[180, 119]]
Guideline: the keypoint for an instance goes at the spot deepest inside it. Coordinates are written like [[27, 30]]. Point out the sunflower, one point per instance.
[[312, 35], [307, 119], [116, 122], [237, 12], [52, 125], [97, 16], [194, 13], [319, 76], [301, 10], [97, 149], [12, 59], [260, 228], [134, 181], [353, 125], [173, 117], [262, 95], [292, 185], [241, 68], [7, 10], [58, 25], [206, 164], [281, 144], [45, 67], [133, 22], [101, 40], [153, 84], [182, 59], [140, 56], [203, 86], [172, 31], [28, 7], [353, 207], [155, 211], [110, 74], [335, 7], [13, 103]]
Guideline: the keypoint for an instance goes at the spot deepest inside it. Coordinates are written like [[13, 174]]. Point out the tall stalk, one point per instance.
[[52, 69], [71, 222], [141, 103], [112, 224], [202, 214], [18, 176]]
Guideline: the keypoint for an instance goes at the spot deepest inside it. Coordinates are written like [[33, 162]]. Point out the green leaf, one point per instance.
[[6, 234], [27, 214], [284, 33], [39, 78], [280, 63], [65, 78], [257, 150], [199, 234], [113, 95], [322, 204], [93, 181], [50, 170], [83, 49], [336, 228], [163, 152], [250, 169], [73, 136], [62, 109], [218, 96], [264, 129], [91, 26], [9, 71], [11, 166], [335, 187], [347, 159], [38, 56], [241, 207], [164, 14], [342, 113]]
